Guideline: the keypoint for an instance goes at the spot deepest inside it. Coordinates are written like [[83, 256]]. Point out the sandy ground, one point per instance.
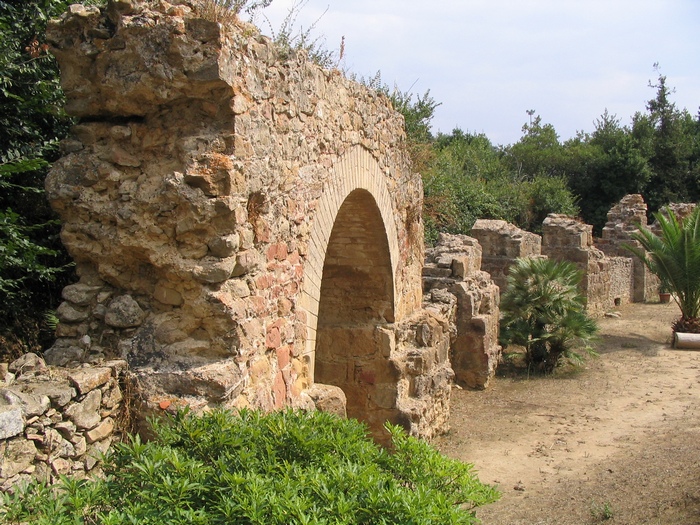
[[617, 440]]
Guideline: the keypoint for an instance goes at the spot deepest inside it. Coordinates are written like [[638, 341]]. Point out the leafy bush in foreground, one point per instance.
[[252, 468]]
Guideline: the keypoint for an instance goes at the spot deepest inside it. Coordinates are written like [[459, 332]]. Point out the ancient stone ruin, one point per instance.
[[247, 227], [247, 231], [611, 275], [56, 421]]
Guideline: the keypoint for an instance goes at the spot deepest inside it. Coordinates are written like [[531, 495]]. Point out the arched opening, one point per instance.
[[356, 304]]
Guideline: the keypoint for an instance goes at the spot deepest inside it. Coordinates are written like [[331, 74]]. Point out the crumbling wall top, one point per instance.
[[501, 239]]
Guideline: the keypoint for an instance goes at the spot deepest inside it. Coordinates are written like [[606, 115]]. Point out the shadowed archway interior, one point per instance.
[[356, 304]]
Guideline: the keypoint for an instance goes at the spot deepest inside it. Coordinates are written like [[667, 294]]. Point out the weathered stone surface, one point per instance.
[[15, 456], [101, 431], [36, 411], [63, 353], [124, 312], [30, 404], [216, 229], [224, 246], [86, 413], [328, 398], [11, 421], [58, 392], [502, 244], [80, 294], [87, 379], [29, 362], [67, 313]]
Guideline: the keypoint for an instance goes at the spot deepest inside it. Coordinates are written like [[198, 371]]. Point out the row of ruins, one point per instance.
[[247, 232]]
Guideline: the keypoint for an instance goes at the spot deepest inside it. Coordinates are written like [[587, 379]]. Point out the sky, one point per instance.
[[490, 61]]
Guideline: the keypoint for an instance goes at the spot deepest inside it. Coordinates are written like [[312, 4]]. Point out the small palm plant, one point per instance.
[[674, 257], [545, 312]]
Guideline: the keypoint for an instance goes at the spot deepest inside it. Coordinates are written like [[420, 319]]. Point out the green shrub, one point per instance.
[[280, 468], [674, 257], [544, 311]]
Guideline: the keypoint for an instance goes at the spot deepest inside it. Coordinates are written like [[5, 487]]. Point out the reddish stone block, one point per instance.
[[365, 376], [259, 304], [273, 338], [264, 281], [280, 391], [283, 357]]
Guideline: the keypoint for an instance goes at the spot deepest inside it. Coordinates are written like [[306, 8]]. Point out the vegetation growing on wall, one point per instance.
[[280, 468]]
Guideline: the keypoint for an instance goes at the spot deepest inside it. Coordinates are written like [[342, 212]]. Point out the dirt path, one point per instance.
[[616, 441]]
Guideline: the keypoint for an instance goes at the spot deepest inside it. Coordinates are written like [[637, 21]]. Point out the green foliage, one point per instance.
[[538, 152], [604, 167], [544, 311], [417, 113], [291, 37], [470, 179], [669, 139], [674, 256], [282, 468], [33, 264], [602, 512]]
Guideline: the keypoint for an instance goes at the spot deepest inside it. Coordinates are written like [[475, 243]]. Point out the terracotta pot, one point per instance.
[[664, 297]]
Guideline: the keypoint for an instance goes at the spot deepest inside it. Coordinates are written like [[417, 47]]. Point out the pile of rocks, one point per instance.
[[55, 421]]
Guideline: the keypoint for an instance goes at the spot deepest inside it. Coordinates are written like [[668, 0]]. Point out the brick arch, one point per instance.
[[357, 170]]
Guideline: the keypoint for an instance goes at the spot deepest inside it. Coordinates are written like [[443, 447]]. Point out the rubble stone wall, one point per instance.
[[624, 219], [502, 243], [55, 421], [246, 225], [455, 285]]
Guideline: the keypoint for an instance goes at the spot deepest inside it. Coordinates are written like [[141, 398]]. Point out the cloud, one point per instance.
[[488, 61]]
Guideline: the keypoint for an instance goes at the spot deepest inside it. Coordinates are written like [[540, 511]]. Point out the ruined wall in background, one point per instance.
[[612, 276], [607, 282], [624, 219], [502, 243], [455, 286]]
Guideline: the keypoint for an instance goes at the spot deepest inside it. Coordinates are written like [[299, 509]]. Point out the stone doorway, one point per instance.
[[356, 310]]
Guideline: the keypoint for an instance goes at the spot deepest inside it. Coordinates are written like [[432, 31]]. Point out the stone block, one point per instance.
[[124, 312], [11, 421], [101, 431], [328, 398], [86, 413], [80, 294], [87, 379], [29, 362], [15, 456], [30, 404]]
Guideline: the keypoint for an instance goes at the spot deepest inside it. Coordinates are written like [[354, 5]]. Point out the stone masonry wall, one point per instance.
[[455, 286], [55, 421], [502, 243], [624, 219], [568, 239], [198, 193]]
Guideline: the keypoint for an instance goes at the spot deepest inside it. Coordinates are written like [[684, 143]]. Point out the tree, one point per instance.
[[538, 152], [603, 167], [544, 311], [674, 257], [33, 264], [668, 138]]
